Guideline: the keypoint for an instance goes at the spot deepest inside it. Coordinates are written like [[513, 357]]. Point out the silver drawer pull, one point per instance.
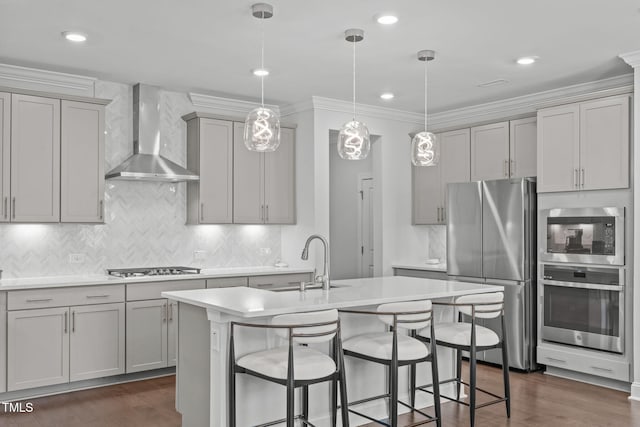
[[263, 285], [39, 299], [553, 359], [98, 296], [598, 368]]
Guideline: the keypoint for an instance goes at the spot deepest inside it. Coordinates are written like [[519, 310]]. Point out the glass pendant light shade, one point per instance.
[[262, 125], [354, 142], [262, 130], [425, 149]]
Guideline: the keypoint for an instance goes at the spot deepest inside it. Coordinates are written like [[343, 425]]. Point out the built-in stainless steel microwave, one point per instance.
[[583, 235]]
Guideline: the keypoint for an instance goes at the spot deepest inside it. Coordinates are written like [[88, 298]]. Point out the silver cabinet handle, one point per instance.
[[553, 359], [266, 217], [14, 207], [262, 213], [201, 211], [73, 321], [171, 312], [513, 167], [5, 210], [101, 209], [98, 296], [575, 178], [39, 299], [598, 368], [582, 178], [164, 313], [66, 322]]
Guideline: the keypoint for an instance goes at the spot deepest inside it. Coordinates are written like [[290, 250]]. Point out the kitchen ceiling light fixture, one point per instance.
[[527, 60], [425, 150], [262, 126], [353, 140], [386, 19], [74, 36], [260, 72], [387, 96]]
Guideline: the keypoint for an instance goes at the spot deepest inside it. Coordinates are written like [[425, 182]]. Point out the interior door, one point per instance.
[[464, 229]]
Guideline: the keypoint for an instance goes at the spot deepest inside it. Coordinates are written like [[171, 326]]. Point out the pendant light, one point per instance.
[[262, 126], [425, 148], [353, 141]]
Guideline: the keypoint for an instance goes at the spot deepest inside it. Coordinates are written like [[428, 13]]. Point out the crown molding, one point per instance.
[[340, 106], [631, 58], [220, 105], [529, 104], [46, 81], [297, 107]]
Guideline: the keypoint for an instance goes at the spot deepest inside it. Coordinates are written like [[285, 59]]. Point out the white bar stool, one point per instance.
[[295, 365], [394, 350], [463, 336]]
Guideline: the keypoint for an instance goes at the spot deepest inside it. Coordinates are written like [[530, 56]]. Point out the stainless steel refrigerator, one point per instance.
[[491, 238]]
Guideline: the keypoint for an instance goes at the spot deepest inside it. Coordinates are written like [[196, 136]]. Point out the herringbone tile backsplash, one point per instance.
[[145, 221]]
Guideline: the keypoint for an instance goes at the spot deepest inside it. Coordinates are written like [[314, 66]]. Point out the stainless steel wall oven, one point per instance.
[[583, 306]]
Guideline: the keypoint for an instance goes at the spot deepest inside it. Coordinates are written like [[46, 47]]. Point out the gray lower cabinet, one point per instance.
[[57, 345], [147, 335], [3, 342]]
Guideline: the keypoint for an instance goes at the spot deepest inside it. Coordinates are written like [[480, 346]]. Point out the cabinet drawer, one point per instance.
[[593, 365], [152, 290], [60, 297], [227, 282], [428, 274], [278, 280]]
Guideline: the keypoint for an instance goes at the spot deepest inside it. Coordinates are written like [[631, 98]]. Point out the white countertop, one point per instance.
[[103, 279], [441, 267], [249, 302]]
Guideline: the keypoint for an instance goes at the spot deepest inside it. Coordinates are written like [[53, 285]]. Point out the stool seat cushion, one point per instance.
[[308, 364], [380, 346], [458, 333]]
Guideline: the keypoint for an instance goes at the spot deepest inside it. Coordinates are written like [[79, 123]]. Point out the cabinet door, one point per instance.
[[604, 143], [35, 159], [426, 194], [558, 148], [216, 171], [490, 151], [172, 333], [38, 348], [82, 162], [248, 172], [96, 347], [146, 335], [5, 155], [522, 148], [455, 159], [279, 181]]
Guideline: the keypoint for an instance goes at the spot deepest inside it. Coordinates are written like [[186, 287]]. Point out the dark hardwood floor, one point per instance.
[[538, 400]]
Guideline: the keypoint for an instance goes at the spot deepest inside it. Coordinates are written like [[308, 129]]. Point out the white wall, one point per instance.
[[344, 210]]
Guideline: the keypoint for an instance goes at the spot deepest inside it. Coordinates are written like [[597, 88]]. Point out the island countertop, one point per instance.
[[252, 303]]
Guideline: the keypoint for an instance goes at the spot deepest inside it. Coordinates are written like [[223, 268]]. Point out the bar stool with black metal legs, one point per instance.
[[394, 350], [462, 336], [295, 365]]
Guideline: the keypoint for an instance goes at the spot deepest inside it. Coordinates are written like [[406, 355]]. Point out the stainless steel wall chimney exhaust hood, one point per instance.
[[146, 163]]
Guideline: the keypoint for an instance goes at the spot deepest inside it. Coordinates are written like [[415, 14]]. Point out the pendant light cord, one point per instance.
[[262, 59], [354, 79], [425, 95]]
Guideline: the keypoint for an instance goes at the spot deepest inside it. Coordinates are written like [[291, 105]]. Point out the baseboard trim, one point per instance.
[[635, 391], [589, 379]]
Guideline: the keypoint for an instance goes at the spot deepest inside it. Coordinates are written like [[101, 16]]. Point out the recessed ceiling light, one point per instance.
[[386, 19], [74, 36], [387, 96], [261, 72], [527, 60]]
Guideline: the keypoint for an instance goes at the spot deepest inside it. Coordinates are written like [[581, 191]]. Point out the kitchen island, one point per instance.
[[203, 325]]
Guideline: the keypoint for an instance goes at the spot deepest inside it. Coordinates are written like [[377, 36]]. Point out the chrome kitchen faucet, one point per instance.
[[324, 279]]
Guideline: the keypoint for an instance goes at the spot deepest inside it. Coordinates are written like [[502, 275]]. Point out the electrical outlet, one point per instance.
[[77, 258], [199, 255]]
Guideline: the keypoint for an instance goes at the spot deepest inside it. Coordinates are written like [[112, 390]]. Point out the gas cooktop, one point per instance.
[[152, 271]]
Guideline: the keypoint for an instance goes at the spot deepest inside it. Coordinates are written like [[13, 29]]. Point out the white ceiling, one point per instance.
[[211, 46]]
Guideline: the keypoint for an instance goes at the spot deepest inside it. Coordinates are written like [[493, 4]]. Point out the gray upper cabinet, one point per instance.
[[522, 148], [584, 146], [264, 183], [490, 151], [210, 155], [35, 159], [5, 155], [82, 161]]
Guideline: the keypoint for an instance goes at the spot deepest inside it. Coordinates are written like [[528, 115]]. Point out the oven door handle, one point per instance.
[[594, 286]]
